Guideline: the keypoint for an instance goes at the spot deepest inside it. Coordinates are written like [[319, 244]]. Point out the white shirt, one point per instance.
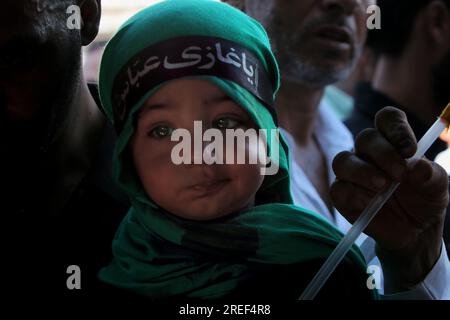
[[333, 137], [443, 159]]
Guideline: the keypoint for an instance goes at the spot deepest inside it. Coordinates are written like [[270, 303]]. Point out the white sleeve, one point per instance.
[[435, 286]]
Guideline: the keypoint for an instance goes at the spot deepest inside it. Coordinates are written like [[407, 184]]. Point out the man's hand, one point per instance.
[[408, 229]]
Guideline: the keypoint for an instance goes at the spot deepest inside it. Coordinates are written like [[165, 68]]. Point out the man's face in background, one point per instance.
[[317, 42], [39, 67]]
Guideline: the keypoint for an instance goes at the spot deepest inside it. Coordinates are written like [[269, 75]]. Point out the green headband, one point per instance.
[[137, 59], [187, 57]]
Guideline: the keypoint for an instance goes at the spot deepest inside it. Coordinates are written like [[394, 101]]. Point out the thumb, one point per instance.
[[428, 178]]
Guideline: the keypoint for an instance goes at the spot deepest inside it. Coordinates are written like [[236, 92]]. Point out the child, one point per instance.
[[206, 231]]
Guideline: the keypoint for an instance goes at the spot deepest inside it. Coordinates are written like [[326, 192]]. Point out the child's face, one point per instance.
[[193, 191]]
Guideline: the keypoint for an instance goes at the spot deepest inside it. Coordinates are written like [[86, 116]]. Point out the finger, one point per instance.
[[349, 199], [393, 125], [349, 168], [428, 178], [373, 147]]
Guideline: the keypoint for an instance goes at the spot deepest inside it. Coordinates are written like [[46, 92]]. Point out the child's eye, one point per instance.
[[161, 132], [227, 123]]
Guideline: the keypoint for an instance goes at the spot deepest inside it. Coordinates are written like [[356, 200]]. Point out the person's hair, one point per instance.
[[397, 23]]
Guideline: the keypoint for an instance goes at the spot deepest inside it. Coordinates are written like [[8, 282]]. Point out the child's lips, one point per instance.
[[209, 187]]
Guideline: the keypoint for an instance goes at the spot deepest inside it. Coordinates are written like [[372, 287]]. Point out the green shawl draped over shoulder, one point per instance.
[[159, 255]]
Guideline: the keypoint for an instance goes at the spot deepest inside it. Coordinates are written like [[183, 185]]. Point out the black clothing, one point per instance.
[[39, 247]]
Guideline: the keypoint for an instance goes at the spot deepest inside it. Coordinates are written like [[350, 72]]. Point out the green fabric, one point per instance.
[[160, 255], [339, 101]]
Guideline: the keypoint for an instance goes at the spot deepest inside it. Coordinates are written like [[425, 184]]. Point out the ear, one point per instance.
[[240, 4], [437, 24], [90, 20]]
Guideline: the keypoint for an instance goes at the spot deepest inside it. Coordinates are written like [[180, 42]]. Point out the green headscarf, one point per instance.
[[160, 255]]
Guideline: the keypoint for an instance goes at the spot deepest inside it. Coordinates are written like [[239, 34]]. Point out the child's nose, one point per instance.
[[207, 143], [213, 152], [209, 151]]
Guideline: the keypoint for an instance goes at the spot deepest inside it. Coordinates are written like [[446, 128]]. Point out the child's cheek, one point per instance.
[[256, 151], [151, 154]]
